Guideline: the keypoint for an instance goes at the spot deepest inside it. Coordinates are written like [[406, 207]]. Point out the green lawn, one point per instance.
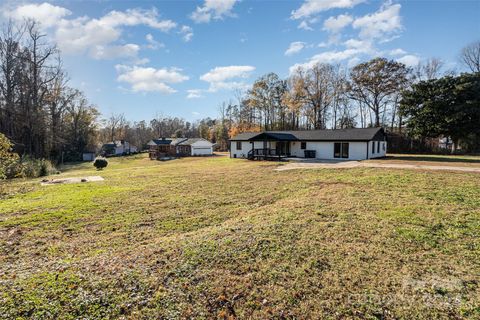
[[230, 238]]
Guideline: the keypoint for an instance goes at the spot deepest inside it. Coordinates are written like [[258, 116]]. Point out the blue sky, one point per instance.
[[184, 58]]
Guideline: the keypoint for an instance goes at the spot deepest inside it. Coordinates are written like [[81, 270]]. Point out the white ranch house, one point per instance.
[[339, 144]]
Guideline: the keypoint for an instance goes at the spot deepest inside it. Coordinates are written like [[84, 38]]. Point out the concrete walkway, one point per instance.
[[355, 164]]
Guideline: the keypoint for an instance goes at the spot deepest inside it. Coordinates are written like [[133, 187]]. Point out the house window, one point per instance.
[[303, 145], [345, 150], [373, 147], [378, 146], [239, 145], [341, 150]]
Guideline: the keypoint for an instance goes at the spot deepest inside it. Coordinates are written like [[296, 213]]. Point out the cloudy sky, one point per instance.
[[183, 58]]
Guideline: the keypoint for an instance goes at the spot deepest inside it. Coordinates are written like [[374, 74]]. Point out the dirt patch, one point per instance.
[[47, 182]]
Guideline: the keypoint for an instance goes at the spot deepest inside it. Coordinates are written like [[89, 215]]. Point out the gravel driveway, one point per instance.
[[318, 164]]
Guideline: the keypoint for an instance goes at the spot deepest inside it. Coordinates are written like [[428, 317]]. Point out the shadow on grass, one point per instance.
[[73, 166], [439, 158]]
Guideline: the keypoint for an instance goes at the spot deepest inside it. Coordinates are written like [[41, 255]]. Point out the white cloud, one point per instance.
[[96, 37], [295, 47], [335, 56], [141, 61], [377, 25], [148, 79], [187, 33], [362, 45], [397, 52], [313, 7], [305, 26], [409, 60], [134, 17], [194, 94], [152, 43], [336, 24], [223, 77], [47, 14], [110, 52], [213, 9]]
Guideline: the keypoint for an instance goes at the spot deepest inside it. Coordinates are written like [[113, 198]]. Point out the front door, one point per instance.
[[283, 147]]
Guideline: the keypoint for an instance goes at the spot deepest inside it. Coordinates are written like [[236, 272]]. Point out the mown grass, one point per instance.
[[431, 160], [219, 238]]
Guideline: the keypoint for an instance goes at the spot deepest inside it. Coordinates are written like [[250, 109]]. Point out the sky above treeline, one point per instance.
[[184, 58]]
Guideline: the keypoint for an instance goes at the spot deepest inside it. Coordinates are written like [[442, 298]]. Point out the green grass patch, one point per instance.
[[218, 238]]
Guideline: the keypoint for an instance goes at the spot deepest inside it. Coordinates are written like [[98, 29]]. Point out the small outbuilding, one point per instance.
[[196, 147], [179, 147], [88, 156]]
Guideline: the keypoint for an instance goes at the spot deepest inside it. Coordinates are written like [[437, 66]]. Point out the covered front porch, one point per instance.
[[270, 146]]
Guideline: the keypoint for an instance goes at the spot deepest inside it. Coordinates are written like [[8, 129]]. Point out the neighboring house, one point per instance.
[[162, 147], [339, 144], [445, 143], [118, 147], [173, 147]]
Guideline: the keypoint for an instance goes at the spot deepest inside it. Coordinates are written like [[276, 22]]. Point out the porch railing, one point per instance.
[[266, 153]]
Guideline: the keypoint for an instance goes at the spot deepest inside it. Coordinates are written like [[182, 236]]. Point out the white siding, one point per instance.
[[243, 152], [383, 149], [202, 151], [324, 150], [202, 148]]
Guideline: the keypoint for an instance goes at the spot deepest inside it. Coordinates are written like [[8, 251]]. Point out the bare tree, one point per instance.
[[428, 70], [10, 65], [470, 56], [115, 124], [318, 87], [34, 95], [373, 83]]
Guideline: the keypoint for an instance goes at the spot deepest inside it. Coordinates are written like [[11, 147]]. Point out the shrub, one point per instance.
[[12, 166], [100, 163], [8, 159], [33, 168]]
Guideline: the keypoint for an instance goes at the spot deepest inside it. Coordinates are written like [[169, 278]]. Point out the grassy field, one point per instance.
[[229, 238]]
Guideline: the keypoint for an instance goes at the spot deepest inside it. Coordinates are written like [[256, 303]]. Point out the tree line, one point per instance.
[[45, 117], [39, 112]]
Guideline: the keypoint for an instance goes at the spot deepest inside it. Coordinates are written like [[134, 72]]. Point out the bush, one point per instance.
[[8, 159], [33, 168], [100, 163], [12, 166]]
